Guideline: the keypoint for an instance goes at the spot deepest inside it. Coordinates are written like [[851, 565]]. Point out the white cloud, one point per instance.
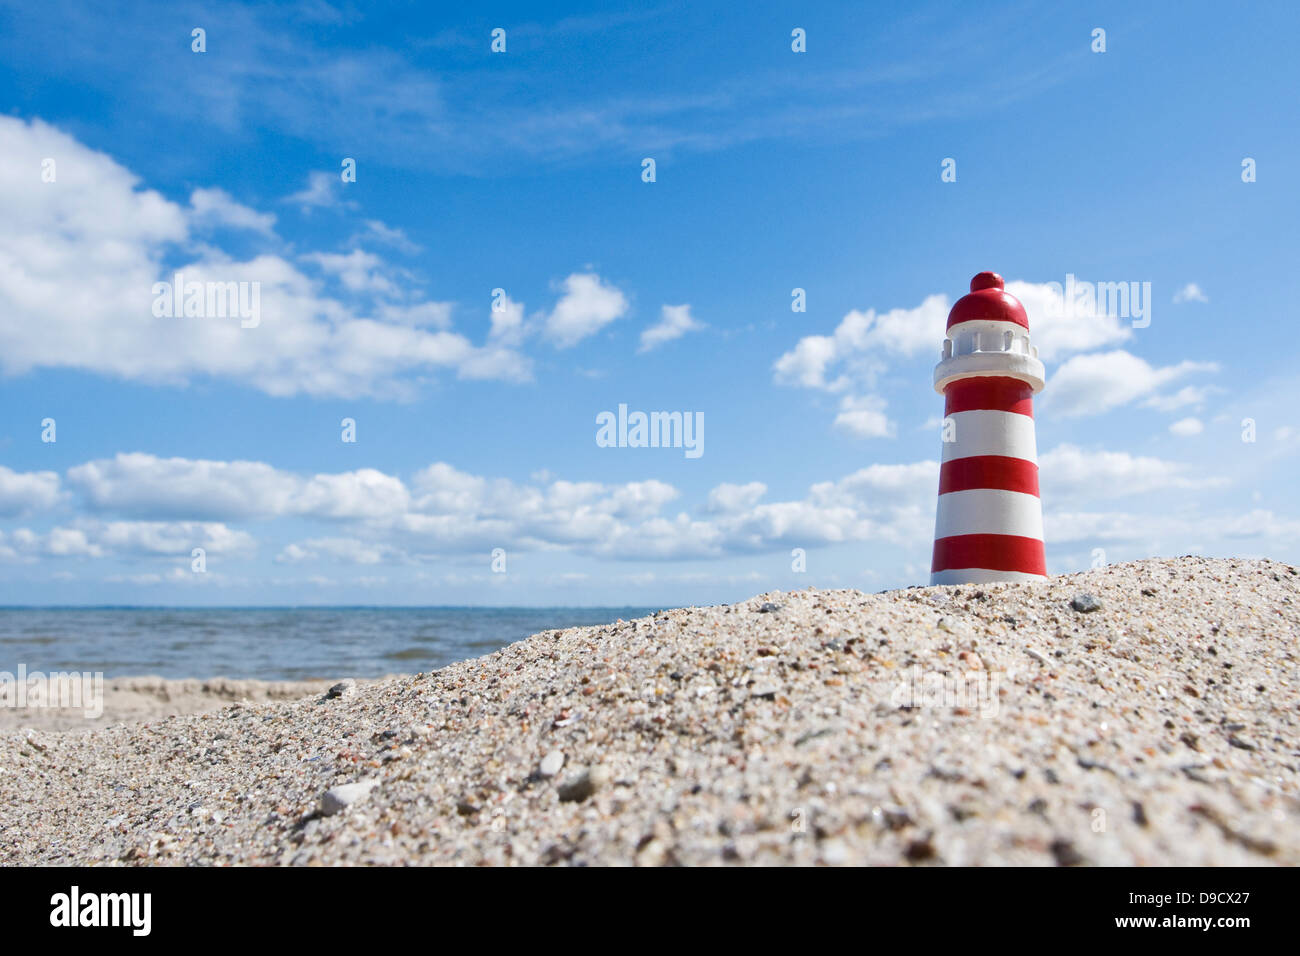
[[79, 259], [587, 306], [728, 498], [167, 537], [358, 270], [22, 492], [909, 484], [507, 322], [321, 192], [1169, 533], [143, 507], [346, 550], [674, 322], [1188, 395], [445, 510], [143, 485], [1071, 472], [864, 417], [806, 364], [1098, 382], [1187, 426], [852, 354], [850, 360], [1057, 331], [89, 538], [435, 315], [364, 493], [389, 235], [859, 339], [217, 207], [1190, 293]]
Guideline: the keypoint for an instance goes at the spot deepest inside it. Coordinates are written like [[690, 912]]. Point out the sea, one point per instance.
[[271, 643]]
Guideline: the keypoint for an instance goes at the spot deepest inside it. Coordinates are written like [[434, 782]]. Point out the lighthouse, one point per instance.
[[989, 525]]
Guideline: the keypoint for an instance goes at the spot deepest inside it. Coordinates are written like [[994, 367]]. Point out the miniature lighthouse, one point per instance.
[[989, 525]]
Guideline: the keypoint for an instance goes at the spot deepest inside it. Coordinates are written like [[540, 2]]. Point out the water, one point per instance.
[[271, 643]]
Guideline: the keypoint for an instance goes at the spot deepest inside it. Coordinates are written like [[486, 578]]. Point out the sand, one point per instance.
[[989, 725]]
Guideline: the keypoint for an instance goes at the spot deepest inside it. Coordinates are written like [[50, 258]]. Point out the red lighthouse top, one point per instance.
[[988, 299]]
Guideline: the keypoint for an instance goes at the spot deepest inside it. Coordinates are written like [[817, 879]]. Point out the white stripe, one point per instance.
[[994, 326], [981, 576], [989, 511], [986, 432]]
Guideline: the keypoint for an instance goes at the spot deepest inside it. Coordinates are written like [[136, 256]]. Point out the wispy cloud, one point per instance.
[[309, 84], [674, 322], [322, 191]]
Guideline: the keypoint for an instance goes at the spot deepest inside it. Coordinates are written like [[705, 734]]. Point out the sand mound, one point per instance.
[[1000, 724]]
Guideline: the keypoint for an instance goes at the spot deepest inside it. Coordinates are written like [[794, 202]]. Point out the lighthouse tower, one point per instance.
[[989, 525]]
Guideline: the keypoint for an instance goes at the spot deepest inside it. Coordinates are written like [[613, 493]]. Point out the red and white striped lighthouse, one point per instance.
[[989, 525]]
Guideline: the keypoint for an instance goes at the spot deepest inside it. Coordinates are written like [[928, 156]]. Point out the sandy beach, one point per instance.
[[1140, 714]]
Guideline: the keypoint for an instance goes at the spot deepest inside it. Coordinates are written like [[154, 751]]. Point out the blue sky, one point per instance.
[[522, 171]]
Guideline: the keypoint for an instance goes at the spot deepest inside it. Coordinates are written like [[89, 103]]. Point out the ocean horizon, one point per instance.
[[272, 642]]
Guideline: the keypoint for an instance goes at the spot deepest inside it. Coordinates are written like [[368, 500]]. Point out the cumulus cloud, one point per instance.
[[139, 484], [81, 258], [345, 550], [1057, 330], [1098, 382], [674, 322], [22, 492], [507, 322], [1187, 427], [831, 361], [730, 498], [864, 344], [587, 305], [142, 484], [1190, 293], [142, 503], [90, 538], [217, 207], [864, 417], [358, 270], [1071, 472], [849, 360], [141, 507], [862, 339]]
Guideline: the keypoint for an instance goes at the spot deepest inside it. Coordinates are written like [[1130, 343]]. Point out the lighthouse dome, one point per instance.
[[988, 300]]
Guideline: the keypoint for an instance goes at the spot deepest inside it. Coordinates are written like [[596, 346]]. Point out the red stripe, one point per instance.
[[989, 471], [993, 552], [992, 392]]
